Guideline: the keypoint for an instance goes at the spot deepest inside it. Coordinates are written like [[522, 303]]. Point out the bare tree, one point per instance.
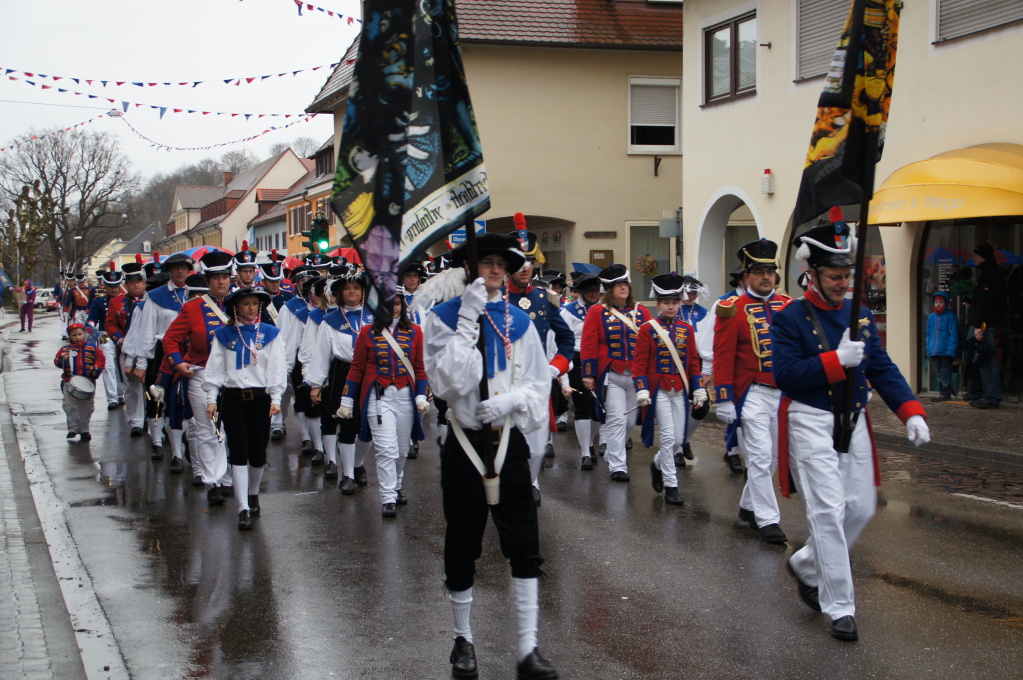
[[238, 160], [78, 184], [302, 146]]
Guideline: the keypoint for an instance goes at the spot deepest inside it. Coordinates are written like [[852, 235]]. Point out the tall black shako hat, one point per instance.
[[762, 253], [151, 268], [216, 262], [273, 270], [585, 282], [111, 277], [196, 283], [133, 270], [177, 258], [505, 245], [234, 297], [245, 257], [829, 245], [413, 267], [612, 274], [665, 286]]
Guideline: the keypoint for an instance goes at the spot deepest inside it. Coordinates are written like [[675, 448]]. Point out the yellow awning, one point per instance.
[[979, 181]]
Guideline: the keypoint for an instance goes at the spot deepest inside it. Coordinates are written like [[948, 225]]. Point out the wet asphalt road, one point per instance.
[[326, 588]]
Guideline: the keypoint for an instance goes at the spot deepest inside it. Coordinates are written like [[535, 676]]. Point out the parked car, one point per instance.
[[45, 300], [51, 303]]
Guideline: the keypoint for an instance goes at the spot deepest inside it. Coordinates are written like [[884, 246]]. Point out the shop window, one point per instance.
[[730, 59], [654, 115]]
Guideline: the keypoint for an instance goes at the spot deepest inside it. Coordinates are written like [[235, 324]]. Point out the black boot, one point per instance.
[[463, 659], [244, 520], [347, 486], [360, 476], [535, 667], [671, 496], [413, 451], [254, 506]]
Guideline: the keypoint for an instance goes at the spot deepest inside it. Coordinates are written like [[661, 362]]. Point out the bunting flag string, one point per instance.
[[125, 105], [351, 21], [244, 80], [273, 128], [36, 138]]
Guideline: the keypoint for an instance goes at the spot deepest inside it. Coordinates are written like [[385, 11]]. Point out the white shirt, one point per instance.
[[455, 368], [308, 344], [329, 344], [291, 331], [152, 322], [269, 373]]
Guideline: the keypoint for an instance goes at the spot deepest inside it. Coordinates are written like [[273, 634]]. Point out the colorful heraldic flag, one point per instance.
[[410, 168], [852, 112]]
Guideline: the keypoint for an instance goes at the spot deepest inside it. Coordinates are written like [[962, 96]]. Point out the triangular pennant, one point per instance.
[[249, 80], [125, 105], [139, 84], [163, 110]]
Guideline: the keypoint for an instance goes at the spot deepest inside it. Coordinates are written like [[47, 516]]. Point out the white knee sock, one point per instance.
[[303, 425], [361, 451], [240, 475], [535, 463], [347, 459], [601, 437], [527, 604], [461, 606], [330, 447], [314, 433], [175, 442], [255, 477], [156, 430], [584, 433]]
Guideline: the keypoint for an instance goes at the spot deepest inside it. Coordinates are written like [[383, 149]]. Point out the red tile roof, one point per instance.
[[270, 194], [572, 23]]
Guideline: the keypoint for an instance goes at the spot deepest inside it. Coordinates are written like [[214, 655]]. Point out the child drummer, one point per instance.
[[246, 374], [79, 359]]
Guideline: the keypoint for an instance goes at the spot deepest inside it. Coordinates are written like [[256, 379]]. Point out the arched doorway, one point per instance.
[[729, 221]]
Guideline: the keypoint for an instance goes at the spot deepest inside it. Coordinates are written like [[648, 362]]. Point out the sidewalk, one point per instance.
[[980, 437]]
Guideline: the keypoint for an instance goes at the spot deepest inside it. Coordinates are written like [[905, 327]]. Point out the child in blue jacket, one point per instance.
[[942, 343]]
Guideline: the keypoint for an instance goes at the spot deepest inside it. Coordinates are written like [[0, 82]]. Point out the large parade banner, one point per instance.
[[852, 112], [410, 167]]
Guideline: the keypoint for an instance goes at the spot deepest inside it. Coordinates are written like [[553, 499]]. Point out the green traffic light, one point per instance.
[[323, 244]]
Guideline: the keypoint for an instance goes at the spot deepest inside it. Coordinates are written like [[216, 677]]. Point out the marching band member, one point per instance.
[[79, 300], [587, 287], [306, 347], [744, 382], [694, 314], [518, 379], [291, 321], [78, 358], [245, 267], [412, 276], [97, 319], [244, 379], [705, 341], [272, 278], [608, 346], [327, 372], [120, 313], [813, 352], [187, 344], [554, 282], [542, 308], [387, 373], [667, 374]]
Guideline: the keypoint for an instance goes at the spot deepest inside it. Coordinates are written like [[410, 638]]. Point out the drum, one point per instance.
[[81, 387]]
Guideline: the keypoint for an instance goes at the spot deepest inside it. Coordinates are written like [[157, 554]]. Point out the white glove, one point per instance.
[[555, 373], [156, 392], [850, 353], [699, 397], [643, 398], [496, 408], [423, 404], [474, 299], [344, 411], [917, 431], [726, 412]]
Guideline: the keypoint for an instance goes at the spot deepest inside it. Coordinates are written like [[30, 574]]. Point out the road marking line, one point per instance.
[[1018, 506], [101, 655]]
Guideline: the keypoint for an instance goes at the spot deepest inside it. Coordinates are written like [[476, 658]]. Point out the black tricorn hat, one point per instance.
[[614, 273], [505, 245], [271, 271], [156, 279], [232, 299], [667, 285], [829, 245], [584, 281], [197, 283], [216, 262], [760, 253], [416, 267], [132, 271], [177, 258]]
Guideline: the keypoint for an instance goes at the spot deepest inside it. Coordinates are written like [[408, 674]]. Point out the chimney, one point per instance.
[[228, 176]]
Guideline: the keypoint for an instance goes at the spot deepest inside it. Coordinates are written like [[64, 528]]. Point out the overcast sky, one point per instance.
[[175, 41]]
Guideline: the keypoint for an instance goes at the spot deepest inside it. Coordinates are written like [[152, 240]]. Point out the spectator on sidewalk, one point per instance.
[[942, 343], [987, 315], [28, 304]]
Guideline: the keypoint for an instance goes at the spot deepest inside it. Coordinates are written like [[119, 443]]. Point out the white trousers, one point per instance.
[[134, 400], [209, 456], [391, 436], [840, 497], [758, 438], [537, 442], [619, 397], [671, 413], [110, 383], [78, 411]]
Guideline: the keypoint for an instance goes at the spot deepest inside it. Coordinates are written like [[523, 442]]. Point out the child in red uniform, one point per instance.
[[79, 358]]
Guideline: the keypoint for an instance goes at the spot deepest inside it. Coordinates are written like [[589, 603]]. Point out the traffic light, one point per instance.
[[308, 243], [320, 232]]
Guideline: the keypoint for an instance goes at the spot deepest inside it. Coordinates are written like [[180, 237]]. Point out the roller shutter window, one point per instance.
[[820, 28], [958, 18], [653, 115]]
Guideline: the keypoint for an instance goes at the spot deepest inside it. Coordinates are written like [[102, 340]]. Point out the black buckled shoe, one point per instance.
[[687, 451], [112, 406], [656, 478], [388, 511], [318, 458], [619, 476], [535, 667], [734, 464], [749, 518], [347, 486], [244, 520], [254, 506], [586, 463], [276, 434], [810, 595], [330, 472], [671, 496], [680, 460], [360, 476], [177, 466], [71, 435], [413, 451], [215, 497], [562, 425], [400, 499], [463, 659], [136, 432], [844, 629], [227, 490], [86, 437], [197, 480], [536, 496], [157, 451], [307, 447], [548, 451], [773, 534]]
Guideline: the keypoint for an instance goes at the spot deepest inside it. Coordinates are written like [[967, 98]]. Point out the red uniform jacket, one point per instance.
[[742, 344], [88, 361], [188, 338], [607, 342], [118, 316], [653, 368]]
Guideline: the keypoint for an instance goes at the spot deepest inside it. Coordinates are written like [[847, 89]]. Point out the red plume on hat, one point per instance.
[[273, 256], [520, 227], [112, 267], [245, 245], [138, 258], [156, 257], [835, 214]]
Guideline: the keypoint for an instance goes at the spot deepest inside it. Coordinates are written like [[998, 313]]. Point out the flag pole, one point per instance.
[[846, 431], [473, 259]]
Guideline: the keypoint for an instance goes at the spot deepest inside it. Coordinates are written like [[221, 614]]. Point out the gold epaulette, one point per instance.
[[726, 308], [553, 298]]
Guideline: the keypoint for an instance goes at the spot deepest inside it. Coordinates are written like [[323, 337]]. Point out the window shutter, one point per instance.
[[957, 18], [653, 105], [820, 27]]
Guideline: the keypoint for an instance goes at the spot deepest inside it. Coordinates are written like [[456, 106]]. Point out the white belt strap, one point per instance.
[[272, 311], [474, 458], [663, 334], [399, 351], [213, 305], [631, 323]]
